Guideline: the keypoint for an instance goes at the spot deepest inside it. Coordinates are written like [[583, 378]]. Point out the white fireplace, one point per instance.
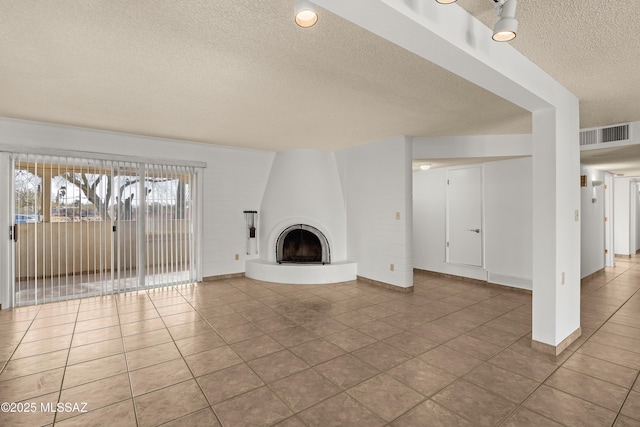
[[304, 193]]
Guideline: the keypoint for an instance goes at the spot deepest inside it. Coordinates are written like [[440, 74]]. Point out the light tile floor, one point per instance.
[[242, 352]]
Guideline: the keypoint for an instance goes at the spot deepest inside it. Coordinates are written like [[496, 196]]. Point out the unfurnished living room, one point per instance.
[[319, 213]]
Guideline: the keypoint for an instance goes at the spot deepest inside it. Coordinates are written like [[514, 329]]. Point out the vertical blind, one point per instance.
[[89, 227]]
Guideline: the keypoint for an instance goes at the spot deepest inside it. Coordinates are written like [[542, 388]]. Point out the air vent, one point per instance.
[[604, 135]]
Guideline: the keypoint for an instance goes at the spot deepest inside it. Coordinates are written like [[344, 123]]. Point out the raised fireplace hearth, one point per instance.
[[302, 244]]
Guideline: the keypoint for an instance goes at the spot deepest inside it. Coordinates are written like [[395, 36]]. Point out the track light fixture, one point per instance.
[[305, 13], [505, 29]]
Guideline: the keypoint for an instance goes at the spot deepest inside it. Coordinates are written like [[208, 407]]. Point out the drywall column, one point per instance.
[[556, 229], [451, 38]]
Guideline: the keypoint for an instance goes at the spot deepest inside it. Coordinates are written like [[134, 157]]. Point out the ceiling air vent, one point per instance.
[[604, 135]]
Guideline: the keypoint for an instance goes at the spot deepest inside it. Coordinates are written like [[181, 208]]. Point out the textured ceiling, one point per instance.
[[240, 73]]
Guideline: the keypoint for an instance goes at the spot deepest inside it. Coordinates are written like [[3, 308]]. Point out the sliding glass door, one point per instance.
[[88, 227]]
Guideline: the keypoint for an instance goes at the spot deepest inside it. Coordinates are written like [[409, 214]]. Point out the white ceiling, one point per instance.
[[240, 73]]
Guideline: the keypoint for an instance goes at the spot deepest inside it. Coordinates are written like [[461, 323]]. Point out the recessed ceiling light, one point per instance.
[[425, 167]]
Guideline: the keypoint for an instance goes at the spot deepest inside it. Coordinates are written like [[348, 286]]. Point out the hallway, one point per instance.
[[242, 352]]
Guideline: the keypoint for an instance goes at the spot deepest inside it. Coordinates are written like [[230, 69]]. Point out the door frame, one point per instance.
[[609, 226], [7, 221]]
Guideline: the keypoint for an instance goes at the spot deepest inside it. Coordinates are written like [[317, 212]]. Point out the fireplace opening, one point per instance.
[[302, 244]]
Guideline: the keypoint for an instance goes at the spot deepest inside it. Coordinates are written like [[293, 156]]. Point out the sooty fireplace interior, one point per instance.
[[302, 244]]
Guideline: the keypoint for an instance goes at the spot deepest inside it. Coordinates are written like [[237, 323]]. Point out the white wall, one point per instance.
[[234, 179], [507, 223], [621, 210], [592, 244], [429, 220], [377, 182], [471, 146]]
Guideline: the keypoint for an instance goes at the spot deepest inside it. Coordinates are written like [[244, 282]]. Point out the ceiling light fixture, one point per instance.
[[305, 13], [505, 29], [425, 167]]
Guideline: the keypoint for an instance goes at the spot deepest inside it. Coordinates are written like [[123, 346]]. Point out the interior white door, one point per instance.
[[464, 216]]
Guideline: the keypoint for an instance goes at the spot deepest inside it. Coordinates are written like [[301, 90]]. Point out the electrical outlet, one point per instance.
[[397, 215], [577, 215], [391, 267], [562, 282], [237, 257]]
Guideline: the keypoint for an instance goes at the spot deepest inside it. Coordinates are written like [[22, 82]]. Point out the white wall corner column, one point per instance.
[[456, 41], [556, 229]]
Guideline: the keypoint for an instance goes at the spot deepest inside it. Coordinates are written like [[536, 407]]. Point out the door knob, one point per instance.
[[475, 230]]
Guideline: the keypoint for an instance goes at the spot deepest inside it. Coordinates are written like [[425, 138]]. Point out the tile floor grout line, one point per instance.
[[126, 360], [19, 342], [625, 400], [194, 378], [55, 415]]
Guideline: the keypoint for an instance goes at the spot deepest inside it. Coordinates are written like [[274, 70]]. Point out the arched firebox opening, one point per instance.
[[302, 244]]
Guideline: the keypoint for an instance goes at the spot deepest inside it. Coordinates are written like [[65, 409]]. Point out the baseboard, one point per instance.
[[385, 285], [622, 256], [555, 350], [450, 276], [222, 277], [592, 275], [476, 281], [510, 281]]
